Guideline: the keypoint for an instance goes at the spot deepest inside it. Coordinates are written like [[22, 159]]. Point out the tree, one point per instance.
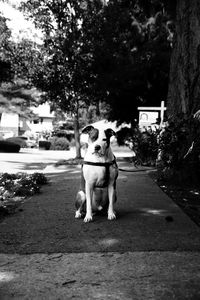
[[65, 74], [5, 66], [16, 94], [184, 87], [132, 56]]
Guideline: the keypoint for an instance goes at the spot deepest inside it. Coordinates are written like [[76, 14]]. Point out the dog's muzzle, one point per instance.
[[97, 148]]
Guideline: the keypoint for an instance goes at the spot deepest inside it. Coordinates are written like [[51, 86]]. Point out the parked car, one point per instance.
[[17, 140], [29, 143], [8, 146]]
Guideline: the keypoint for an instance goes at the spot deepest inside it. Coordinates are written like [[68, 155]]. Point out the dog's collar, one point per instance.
[[106, 165], [100, 164]]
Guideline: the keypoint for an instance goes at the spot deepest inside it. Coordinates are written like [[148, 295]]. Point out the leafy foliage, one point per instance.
[[16, 97], [15, 187], [16, 62], [65, 73], [59, 143], [144, 144], [5, 65], [132, 56], [44, 145], [117, 52], [179, 150]]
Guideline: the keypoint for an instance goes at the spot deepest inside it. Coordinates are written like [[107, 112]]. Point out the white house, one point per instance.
[[43, 120], [11, 124]]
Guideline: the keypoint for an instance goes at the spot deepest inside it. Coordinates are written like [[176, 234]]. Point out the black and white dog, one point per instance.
[[99, 174]]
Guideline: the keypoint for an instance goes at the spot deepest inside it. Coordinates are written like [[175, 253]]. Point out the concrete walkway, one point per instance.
[[47, 254]]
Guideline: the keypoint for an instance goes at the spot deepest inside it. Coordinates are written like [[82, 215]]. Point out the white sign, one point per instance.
[[147, 117]]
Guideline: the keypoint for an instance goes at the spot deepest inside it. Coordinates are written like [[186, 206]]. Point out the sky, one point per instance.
[[17, 23]]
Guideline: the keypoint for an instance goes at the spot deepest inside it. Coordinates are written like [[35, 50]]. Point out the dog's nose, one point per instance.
[[97, 147]]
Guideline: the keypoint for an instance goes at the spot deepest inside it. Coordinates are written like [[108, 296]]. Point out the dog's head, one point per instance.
[[99, 139]]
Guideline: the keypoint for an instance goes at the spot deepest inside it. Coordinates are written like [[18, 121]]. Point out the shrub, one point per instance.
[[68, 134], [7, 146], [19, 185], [44, 145], [18, 141], [59, 143], [179, 147], [144, 144], [39, 178]]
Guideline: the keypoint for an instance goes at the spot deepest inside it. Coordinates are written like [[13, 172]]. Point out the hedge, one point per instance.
[[7, 146], [59, 143], [44, 145]]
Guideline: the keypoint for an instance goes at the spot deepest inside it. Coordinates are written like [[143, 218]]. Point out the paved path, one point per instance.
[[47, 254]]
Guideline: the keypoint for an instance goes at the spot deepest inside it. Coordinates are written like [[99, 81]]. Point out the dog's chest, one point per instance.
[[98, 176]]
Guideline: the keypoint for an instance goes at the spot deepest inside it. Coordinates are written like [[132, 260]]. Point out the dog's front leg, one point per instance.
[[111, 194], [89, 194]]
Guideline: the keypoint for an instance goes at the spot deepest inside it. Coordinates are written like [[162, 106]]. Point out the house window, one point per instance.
[[36, 121]]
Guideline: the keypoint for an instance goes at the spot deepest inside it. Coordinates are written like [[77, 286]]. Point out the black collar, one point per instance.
[[100, 164]]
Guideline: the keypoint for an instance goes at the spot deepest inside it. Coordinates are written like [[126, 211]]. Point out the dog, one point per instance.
[[98, 177]]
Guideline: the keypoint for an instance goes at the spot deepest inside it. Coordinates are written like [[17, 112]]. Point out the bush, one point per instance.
[[44, 145], [179, 150], [59, 143], [68, 134], [19, 185], [144, 144], [18, 141], [7, 146]]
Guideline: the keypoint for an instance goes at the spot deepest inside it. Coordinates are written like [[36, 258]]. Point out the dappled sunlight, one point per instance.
[[53, 171], [7, 276], [195, 192], [108, 242], [122, 177], [72, 177], [75, 171], [156, 212], [54, 177], [16, 166]]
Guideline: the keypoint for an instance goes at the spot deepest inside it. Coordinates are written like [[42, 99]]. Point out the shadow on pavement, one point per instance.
[[46, 222]]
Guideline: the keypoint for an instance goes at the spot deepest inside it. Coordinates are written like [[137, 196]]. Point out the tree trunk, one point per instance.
[[77, 135], [184, 86]]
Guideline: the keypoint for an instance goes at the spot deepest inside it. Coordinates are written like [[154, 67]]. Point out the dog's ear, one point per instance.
[[109, 132], [87, 129]]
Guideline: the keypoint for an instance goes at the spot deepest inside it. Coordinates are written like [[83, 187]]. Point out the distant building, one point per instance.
[[12, 124], [9, 125], [43, 120]]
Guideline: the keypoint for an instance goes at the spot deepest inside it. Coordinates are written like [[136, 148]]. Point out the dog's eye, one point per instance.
[[104, 140]]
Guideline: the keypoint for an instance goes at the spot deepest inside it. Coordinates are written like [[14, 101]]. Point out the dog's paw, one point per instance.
[[78, 215], [88, 218], [111, 215]]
